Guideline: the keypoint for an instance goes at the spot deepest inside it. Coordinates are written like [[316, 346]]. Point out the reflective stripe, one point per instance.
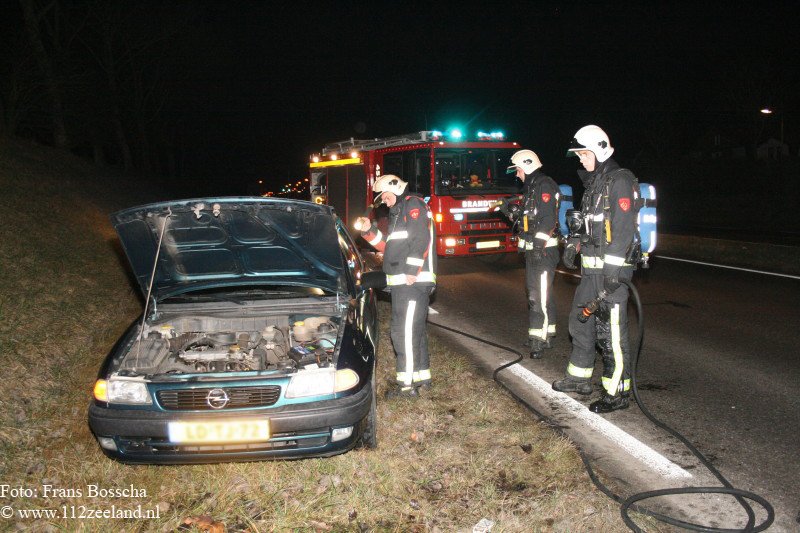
[[400, 377], [591, 262], [422, 375], [579, 372], [613, 384], [377, 239], [551, 329], [596, 218], [540, 333], [614, 260], [543, 304], [543, 236], [400, 279], [414, 261], [625, 387], [395, 279], [552, 241], [409, 342], [397, 235]]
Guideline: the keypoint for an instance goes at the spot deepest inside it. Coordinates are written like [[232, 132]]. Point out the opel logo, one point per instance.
[[217, 398]]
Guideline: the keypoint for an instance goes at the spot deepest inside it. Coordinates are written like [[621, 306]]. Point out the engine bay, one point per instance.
[[197, 344]]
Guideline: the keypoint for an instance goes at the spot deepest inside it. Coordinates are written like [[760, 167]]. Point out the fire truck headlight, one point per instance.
[[438, 217], [458, 217], [450, 241]]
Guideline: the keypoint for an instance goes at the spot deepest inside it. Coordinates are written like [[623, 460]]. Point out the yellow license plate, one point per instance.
[[222, 431], [487, 244]]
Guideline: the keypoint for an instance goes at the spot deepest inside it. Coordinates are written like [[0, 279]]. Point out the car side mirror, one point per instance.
[[373, 280]]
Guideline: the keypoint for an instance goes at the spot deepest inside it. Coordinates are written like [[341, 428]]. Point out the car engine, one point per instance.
[[210, 344]]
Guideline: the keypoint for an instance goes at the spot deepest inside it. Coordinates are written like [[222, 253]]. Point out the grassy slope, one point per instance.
[[464, 452]]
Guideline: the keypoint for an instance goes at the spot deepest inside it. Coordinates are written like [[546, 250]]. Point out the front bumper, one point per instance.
[[298, 430]]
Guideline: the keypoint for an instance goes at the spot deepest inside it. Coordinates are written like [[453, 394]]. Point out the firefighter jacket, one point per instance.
[[408, 248], [609, 208], [539, 212]]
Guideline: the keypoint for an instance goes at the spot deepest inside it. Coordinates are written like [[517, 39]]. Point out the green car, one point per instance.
[[257, 340]]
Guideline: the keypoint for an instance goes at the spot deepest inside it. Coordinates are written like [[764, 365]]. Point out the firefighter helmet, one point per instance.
[[527, 160], [595, 140], [388, 183]]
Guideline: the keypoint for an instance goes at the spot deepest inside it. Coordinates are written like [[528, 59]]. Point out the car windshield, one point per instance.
[[474, 171]]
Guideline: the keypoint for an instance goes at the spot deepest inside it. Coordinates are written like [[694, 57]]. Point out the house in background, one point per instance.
[[772, 150]]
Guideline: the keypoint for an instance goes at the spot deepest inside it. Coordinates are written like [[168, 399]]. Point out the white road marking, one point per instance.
[[630, 444], [432, 311], [729, 267]]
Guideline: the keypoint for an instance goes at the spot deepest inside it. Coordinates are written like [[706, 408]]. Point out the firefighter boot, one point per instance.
[[402, 392], [608, 403], [571, 384], [537, 347]]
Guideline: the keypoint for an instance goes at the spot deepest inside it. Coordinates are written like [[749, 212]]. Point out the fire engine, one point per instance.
[[460, 179]]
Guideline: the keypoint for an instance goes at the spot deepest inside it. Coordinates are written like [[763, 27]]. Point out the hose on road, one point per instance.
[[629, 503]]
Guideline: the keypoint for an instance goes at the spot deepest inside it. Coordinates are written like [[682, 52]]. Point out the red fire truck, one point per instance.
[[461, 180]]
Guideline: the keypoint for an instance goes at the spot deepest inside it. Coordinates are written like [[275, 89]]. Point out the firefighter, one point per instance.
[[609, 229], [539, 242], [409, 262]]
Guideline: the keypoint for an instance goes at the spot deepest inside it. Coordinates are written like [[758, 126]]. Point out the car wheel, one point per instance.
[[369, 437]]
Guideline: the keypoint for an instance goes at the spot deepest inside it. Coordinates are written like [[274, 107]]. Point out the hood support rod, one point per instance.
[[150, 286]]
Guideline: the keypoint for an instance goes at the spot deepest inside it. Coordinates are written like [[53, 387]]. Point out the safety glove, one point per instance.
[[570, 251], [524, 238], [603, 312], [610, 284]]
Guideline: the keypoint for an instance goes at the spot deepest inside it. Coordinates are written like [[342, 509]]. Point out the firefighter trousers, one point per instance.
[[610, 336], [409, 333], [539, 275]]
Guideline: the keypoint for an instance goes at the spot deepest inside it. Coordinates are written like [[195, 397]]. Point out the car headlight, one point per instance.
[[123, 391], [320, 382]]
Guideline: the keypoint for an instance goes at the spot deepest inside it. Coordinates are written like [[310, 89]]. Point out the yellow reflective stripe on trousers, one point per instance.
[[543, 304], [616, 347], [409, 342], [537, 333], [591, 262], [551, 329], [400, 279], [626, 384], [579, 372], [422, 375]]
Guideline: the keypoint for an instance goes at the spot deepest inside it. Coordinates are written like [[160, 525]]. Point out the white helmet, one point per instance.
[[388, 183], [527, 160], [594, 139]]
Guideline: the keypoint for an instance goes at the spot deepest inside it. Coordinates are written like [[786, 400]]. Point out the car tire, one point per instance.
[[369, 437]]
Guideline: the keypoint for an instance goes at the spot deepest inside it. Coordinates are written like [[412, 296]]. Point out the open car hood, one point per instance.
[[218, 242]]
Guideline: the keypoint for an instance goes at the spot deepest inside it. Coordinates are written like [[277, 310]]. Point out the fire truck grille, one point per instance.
[[478, 217]]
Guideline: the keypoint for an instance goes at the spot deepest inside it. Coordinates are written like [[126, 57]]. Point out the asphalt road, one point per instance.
[[720, 364]]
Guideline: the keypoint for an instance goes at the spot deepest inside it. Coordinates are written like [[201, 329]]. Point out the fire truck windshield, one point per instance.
[[474, 171]]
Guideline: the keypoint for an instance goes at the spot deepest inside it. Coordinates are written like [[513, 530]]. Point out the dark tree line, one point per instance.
[[98, 77]]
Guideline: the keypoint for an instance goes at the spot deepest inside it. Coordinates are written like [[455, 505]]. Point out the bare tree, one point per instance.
[[41, 22]]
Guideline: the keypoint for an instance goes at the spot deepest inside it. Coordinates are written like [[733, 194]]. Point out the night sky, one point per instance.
[[255, 87]]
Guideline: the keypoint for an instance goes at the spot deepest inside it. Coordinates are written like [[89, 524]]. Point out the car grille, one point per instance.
[[238, 397]]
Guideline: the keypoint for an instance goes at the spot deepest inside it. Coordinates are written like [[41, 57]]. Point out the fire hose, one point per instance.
[[629, 503]]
